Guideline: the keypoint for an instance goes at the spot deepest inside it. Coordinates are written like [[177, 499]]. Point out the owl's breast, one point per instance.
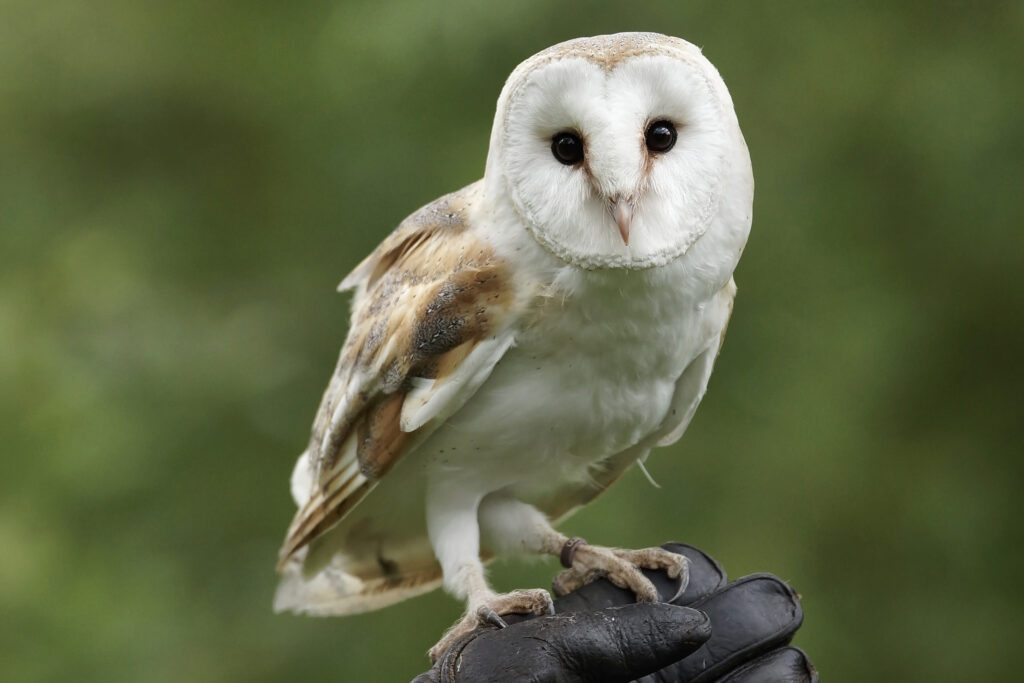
[[593, 376]]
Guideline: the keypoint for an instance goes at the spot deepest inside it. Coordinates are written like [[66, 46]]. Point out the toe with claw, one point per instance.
[[489, 612], [587, 563]]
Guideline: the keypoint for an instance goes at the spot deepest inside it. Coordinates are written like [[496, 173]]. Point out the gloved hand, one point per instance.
[[715, 631]]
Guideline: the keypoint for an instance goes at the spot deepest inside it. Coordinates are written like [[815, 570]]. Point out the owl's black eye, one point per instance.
[[660, 136], [567, 148]]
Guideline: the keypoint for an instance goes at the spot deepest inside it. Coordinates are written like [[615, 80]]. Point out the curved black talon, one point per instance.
[[489, 616], [684, 580]]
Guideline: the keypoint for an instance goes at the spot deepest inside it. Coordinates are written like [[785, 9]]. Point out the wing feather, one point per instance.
[[431, 317], [693, 383], [438, 398]]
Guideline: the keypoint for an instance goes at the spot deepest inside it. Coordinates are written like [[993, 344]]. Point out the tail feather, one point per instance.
[[333, 592]]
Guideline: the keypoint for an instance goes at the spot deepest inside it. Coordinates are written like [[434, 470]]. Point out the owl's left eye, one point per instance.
[[660, 136], [567, 148]]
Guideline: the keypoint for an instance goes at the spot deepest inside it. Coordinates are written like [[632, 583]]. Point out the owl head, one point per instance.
[[619, 151]]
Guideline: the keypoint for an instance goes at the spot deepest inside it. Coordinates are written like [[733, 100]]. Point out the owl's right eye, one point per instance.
[[567, 148]]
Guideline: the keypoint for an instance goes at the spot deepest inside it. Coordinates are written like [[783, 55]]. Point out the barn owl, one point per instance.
[[518, 344]]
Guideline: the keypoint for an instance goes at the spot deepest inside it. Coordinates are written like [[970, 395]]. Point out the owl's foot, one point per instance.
[[489, 611], [587, 563]]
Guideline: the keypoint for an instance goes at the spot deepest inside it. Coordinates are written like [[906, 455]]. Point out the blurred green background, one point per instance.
[[183, 184]]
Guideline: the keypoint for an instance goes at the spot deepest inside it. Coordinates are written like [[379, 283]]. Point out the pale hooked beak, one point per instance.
[[622, 212]]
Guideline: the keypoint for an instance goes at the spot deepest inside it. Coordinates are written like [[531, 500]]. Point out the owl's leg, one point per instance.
[[455, 535], [509, 526]]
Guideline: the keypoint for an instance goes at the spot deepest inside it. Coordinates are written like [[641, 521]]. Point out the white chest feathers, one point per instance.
[[595, 375]]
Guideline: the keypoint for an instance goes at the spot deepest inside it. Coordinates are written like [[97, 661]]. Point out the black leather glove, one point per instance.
[[715, 631]]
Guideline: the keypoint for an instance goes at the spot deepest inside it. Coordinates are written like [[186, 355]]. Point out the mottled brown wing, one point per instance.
[[431, 317]]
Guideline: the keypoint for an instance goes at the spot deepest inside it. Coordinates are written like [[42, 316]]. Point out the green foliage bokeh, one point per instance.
[[183, 184]]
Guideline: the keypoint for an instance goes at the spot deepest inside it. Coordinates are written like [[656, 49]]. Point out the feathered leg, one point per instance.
[[455, 535]]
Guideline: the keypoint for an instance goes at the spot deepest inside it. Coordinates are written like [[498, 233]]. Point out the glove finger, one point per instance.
[[785, 665], [749, 617], [616, 644], [706, 576]]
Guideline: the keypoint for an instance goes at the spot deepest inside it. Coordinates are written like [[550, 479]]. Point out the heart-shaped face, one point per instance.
[[616, 151]]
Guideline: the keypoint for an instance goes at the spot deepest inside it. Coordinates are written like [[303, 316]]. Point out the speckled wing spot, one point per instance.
[[430, 318]]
